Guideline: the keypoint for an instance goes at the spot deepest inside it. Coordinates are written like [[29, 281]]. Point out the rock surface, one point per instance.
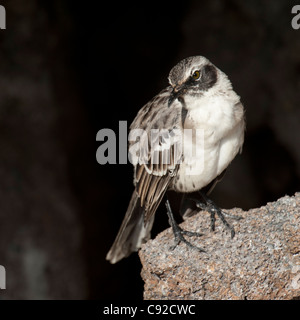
[[261, 262]]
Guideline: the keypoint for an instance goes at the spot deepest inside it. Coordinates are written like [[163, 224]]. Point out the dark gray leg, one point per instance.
[[213, 209], [179, 232]]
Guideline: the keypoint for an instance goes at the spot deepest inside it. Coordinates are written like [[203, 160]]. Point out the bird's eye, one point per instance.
[[196, 74]]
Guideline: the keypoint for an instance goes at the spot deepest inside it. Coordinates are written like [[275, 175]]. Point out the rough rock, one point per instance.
[[262, 261]]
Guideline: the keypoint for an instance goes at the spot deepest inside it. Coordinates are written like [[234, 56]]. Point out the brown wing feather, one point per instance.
[[151, 187], [151, 180]]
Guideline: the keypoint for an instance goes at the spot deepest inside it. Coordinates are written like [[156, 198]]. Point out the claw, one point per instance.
[[213, 209], [179, 232]]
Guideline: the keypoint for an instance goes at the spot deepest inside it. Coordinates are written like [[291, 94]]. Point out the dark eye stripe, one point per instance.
[[209, 76]]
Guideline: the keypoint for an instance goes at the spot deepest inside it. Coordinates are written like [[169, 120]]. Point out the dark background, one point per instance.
[[69, 69]]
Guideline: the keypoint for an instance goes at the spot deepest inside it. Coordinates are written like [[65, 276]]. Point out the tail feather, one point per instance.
[[133, 231]]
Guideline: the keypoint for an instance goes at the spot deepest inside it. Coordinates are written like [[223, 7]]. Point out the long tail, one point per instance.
[[133, 231]]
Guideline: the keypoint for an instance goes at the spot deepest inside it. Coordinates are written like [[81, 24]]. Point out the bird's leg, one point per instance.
[[179, 232], [213, 209]]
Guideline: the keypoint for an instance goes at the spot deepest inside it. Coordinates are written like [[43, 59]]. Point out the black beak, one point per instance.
[[176, 92]]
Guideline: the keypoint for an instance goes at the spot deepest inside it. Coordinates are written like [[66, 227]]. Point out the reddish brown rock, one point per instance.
[[261, 262]]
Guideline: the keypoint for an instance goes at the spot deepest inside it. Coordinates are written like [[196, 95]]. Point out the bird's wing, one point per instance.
[[156, 163], [158, 151]]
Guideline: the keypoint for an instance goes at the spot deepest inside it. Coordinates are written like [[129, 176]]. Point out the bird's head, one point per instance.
[[192, 76]]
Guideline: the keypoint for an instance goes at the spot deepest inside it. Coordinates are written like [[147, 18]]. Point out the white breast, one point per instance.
[[220, 131]]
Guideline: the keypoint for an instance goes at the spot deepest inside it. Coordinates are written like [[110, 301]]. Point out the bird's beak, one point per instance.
[[177, 91]]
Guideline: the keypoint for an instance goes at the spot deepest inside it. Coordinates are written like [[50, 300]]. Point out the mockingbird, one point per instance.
[[199, 98]]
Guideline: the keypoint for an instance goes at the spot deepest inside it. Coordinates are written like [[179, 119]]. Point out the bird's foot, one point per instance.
[[179, 232], [213, 209]]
